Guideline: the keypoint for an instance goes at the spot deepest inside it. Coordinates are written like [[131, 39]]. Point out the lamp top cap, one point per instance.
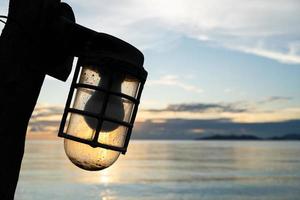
[[103, 46]]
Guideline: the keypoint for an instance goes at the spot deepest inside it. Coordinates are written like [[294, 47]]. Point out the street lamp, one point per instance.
[[109, 77], [104, 96], [41, 37]]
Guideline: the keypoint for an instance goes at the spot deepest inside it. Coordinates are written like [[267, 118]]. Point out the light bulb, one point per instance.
[[83, 155], [114, 107], [89, 158]]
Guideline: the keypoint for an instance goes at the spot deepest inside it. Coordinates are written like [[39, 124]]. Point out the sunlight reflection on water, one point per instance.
[[167, 170]]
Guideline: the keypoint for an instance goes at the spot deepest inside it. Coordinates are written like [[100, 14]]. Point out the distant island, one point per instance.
[[250, 137]]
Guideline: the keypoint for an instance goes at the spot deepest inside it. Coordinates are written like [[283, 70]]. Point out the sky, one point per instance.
[[232, 60]]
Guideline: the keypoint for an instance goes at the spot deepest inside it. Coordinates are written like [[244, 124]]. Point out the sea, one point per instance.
[[167, 170]]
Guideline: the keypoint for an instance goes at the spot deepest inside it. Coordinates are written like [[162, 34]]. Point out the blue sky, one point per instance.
[[236, 53]]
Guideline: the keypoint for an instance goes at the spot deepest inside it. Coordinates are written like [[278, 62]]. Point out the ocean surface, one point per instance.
[[167, 170]]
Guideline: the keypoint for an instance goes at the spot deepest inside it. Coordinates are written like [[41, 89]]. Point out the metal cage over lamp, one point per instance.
[[104, 95], [103, 100]]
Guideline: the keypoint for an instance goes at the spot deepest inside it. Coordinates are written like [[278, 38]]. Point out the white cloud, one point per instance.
[[237, 24], [261, 27], [287, 57], [176, 81], [3, 11]]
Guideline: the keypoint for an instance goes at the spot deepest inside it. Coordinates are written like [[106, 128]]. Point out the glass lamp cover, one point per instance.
[[84, 127]]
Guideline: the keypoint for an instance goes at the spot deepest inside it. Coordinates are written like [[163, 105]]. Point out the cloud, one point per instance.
[[261, 27], [284, 57], [176, 81], [190, 121], [273, 99], [201, 107], [264, 28], [3, 11], [45, 118], [196, 128], [43, 110], [4, 7], [240, 112]]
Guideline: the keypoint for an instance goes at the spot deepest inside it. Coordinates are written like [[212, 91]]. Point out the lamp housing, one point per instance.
[[103, 100]]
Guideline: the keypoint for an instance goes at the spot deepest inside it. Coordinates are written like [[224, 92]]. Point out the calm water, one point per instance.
[[167, 170]]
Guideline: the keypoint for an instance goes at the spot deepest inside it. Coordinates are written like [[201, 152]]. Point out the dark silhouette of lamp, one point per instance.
[[41, 37], [103, 98], [107, 85]]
